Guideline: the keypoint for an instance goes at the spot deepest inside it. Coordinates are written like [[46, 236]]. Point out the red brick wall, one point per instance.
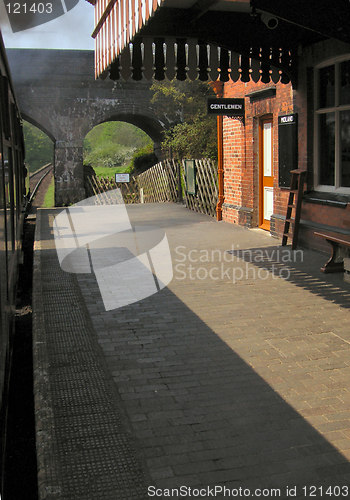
[[241, 152], [314, 214], [234, 162]]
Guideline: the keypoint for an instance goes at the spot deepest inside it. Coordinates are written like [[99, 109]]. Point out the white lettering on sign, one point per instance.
[[287, 119], [226, 106]]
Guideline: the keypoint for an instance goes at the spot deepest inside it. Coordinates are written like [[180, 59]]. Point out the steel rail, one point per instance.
[[32, 196]]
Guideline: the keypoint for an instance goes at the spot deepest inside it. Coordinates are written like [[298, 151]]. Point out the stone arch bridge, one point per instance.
[[58, 93]]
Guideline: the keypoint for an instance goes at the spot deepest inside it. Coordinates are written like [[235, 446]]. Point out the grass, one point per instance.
[[109, 172], [49, 200]]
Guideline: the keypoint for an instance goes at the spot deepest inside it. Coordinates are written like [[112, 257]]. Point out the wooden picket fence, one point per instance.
[[206, 197], [102, 189], [160, 184]]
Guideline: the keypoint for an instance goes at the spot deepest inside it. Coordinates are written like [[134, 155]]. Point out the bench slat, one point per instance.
[[341, 239]]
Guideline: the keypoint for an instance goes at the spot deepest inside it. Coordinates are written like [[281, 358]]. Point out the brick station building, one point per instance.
[[251, 148], [321, 106], [289, 61]]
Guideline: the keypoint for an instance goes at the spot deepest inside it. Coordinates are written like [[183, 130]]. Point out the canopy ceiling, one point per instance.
[[255, 37]]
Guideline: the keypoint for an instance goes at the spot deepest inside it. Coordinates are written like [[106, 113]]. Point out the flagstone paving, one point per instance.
[[236, 375]]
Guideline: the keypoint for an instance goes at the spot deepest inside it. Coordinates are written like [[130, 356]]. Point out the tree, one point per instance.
[[193, 132], [124, 134], [112, 144], [39, 147], [192, 139]]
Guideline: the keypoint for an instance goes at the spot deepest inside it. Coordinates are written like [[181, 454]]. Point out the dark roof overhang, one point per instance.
[[269, 31], [326, 18]]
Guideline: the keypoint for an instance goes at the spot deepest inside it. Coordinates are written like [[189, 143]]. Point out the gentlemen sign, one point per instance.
[[225, 106]]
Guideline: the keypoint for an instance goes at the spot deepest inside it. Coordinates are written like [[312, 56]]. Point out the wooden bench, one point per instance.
[[336, 263]]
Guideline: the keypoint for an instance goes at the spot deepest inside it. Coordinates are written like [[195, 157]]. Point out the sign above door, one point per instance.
[[225, 106]]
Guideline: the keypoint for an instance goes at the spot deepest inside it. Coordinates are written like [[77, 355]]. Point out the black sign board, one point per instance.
[[226, 106], [287, 148]]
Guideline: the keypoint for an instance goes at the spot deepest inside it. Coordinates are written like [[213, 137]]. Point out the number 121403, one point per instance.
[[24, 8]]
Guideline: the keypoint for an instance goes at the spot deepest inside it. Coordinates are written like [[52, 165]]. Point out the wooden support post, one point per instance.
[[220, 168], [218, 88]]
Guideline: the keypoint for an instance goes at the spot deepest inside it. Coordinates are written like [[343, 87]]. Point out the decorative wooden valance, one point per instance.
[[170, 58]]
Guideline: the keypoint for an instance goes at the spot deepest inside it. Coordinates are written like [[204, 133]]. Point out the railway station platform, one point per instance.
[[231, 381]]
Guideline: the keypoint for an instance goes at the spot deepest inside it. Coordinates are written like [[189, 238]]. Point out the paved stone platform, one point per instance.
[[236, 375]]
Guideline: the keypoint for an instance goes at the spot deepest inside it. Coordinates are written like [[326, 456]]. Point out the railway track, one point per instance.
[[36, 178], [39, 182]]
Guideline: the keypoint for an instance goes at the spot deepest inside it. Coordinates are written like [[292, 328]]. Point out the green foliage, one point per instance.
[[116, 132], [109, 154], [193, 134], [49, 200], [109, 173], [112, 144], [181, 101], [39, 147], [193, 139], [143, 159]]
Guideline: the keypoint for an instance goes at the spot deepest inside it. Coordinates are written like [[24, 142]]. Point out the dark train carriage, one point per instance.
[[12, 209]]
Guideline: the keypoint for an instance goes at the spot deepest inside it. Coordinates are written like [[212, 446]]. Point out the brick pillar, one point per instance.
[[69, 174], [238, 178]]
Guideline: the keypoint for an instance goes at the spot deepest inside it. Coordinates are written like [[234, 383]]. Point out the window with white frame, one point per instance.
[[332, 126]]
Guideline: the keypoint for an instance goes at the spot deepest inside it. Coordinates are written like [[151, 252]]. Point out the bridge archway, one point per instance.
[[110, 146], [39, 145], [57, 91], [38, 125], [142, 119]]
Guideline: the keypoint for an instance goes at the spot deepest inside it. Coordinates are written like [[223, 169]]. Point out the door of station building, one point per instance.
[[265, 173]]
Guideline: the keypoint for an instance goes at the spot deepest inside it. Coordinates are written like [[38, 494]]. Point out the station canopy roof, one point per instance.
[[212, 39]]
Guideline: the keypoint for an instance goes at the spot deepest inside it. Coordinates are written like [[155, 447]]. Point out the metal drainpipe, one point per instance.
[[218, 88]]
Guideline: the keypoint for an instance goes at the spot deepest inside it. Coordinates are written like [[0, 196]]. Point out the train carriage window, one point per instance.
[[8, 171], [15, 164], [18, 177], [2, 209], [4, 101], [14, 120], [14, 191], [3, 269], [21, 165]]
